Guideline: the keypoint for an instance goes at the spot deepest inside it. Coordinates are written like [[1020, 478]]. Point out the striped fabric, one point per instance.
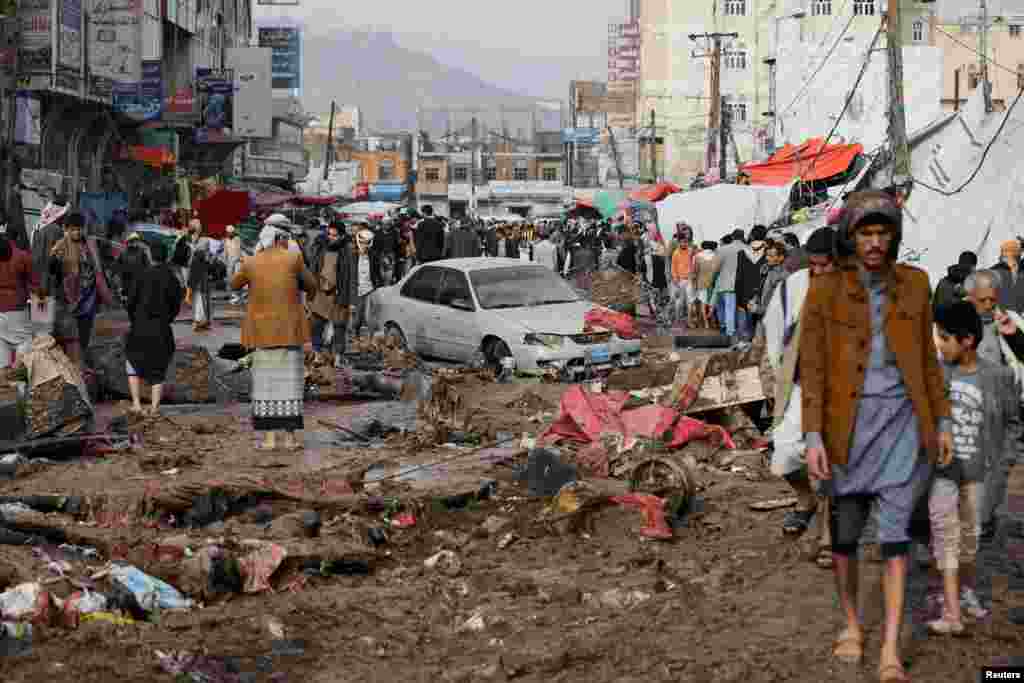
[[278, 388]]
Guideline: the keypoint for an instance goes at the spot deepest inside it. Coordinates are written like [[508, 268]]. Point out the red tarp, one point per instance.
[[653, 193], [264, 201], [803, 162], [221, 209], [583, 417], [622, 324]]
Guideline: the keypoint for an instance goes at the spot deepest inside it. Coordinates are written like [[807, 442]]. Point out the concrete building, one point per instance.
[[283, 159], [676, 71], [957, 32]]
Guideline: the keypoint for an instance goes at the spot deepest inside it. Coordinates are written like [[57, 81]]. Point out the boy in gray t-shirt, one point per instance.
[[986, 426]]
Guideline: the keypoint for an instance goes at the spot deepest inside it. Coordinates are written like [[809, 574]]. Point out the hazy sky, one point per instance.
[[534, 46]]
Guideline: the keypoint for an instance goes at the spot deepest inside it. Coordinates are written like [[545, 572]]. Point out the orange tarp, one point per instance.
[[653, 193], [810, 161]]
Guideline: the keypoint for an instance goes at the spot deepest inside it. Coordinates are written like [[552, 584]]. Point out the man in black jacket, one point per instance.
[[429, 237], [384, 255], [337, 288], [951, 288], [463, 242]]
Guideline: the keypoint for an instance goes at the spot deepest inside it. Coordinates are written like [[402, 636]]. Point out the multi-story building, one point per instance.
[[385, 164], [99, 83], [676, 73], [959, 35], [283, 159]]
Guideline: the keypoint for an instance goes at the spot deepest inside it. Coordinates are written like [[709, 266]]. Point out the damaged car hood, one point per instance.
[[553, 319]]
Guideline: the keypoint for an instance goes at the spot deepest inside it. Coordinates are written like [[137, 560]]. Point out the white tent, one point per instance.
[[716, 211], [367, 208]]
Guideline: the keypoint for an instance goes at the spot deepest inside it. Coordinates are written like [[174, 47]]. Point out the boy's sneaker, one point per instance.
[[971, 605]]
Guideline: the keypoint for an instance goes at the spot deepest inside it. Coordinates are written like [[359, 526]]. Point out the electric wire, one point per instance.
[[835, 45], [981, 162], [849, 98]]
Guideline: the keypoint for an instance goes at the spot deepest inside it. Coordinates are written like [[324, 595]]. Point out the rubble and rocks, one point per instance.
[[616, 289], [190, 378]]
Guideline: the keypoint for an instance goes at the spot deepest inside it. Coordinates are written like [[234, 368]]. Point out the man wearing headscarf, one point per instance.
[[274, 330], [232, 256], [135, 257], [332, 262], [364, 276], [874, 399], [199, 287], [75, 274], [43, 238]]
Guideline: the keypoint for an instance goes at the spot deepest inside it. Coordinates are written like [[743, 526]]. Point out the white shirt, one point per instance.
[[365, 281]]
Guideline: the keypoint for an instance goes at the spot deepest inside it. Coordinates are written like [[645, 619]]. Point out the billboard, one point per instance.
[[286, 43], [215, 88], [115, 45], [252, 96], [70, 34], [35, 49]]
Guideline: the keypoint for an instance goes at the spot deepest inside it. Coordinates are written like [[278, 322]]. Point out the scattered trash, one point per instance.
[[26, 602], [81, 603], [463, 500], [108, 617], [546, 474], [653, 508], [774, 504], [141, 594], [315, 566], [405, 520], [304, 523], [258, 566], [15, 639], [445, 562], [475, 623], [617, 598], [376, 536]]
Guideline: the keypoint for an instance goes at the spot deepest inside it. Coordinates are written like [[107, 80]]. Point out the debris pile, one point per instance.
[[616, 289]]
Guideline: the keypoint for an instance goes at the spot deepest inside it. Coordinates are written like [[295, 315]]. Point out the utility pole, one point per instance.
[[723, 137], [897, 111], [983, 49], [715, 114], [329, 149], [654, 150], [956, 89], [615, 155], [472, 168]]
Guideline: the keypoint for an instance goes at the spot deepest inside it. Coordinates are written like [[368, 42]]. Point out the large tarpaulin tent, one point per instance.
[[813, 160], [718, 210]]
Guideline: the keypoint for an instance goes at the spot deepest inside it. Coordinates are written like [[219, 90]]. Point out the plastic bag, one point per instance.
[[81, 603], [148, 593], [26, 602]]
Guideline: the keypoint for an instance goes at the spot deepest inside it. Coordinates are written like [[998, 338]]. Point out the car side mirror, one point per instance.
[[461, 304]]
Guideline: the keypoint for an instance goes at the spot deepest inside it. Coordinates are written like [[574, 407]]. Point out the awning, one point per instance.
[[812, 160]]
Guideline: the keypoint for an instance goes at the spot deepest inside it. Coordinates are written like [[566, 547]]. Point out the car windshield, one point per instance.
[[520, 287]]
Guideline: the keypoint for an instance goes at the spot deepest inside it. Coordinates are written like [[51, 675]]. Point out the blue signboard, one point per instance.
[[285, 43], [386, 192], [581, 136], [215, 88], [142, 100]]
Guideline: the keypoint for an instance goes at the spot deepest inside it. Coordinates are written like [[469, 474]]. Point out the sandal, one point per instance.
[[797, 521], [824, 558], [893, 673], [848, 648], [946, 627]]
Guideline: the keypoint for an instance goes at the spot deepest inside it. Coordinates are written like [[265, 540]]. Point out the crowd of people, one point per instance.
[[892, 406]]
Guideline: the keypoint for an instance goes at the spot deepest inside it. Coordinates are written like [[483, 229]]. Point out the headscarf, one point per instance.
[[364, 239]]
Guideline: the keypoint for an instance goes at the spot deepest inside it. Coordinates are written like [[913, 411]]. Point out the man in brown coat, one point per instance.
[[876, 414], [275, 330]]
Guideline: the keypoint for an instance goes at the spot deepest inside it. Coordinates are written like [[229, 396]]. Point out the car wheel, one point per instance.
[[494, 352], [393, 331]]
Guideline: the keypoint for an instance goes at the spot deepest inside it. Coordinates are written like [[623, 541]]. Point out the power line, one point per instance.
[[984, 154], [824, 61], [849, 98], [975, 51]]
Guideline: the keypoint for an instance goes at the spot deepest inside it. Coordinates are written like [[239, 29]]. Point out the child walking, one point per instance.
[[986, 425]]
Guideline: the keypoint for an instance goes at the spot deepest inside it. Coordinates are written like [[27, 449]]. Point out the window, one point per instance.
[[492, 172], [460, 174], [918, 31], [821, 8], [550, 174], [455, 287], [737, 111], [972, 77], [735, 8], [432, 175], [424, 285], [736, 60], [520, 173], [1015, 30], [864, 8], [386, 170]]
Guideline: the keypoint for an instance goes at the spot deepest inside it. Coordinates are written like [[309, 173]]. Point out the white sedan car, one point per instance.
[[503, 308]]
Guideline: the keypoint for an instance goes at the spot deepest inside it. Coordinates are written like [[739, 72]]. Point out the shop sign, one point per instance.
[[180, 106], [524, 188], [142, 100], [115, 40], [70, 35], [286, 44], [253, 99], [215, 88], [35, 50]]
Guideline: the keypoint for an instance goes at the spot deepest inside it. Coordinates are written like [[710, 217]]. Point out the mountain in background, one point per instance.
[[389, 82]]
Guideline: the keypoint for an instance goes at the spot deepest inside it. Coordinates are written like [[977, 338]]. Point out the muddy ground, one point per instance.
[[729, 599]]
